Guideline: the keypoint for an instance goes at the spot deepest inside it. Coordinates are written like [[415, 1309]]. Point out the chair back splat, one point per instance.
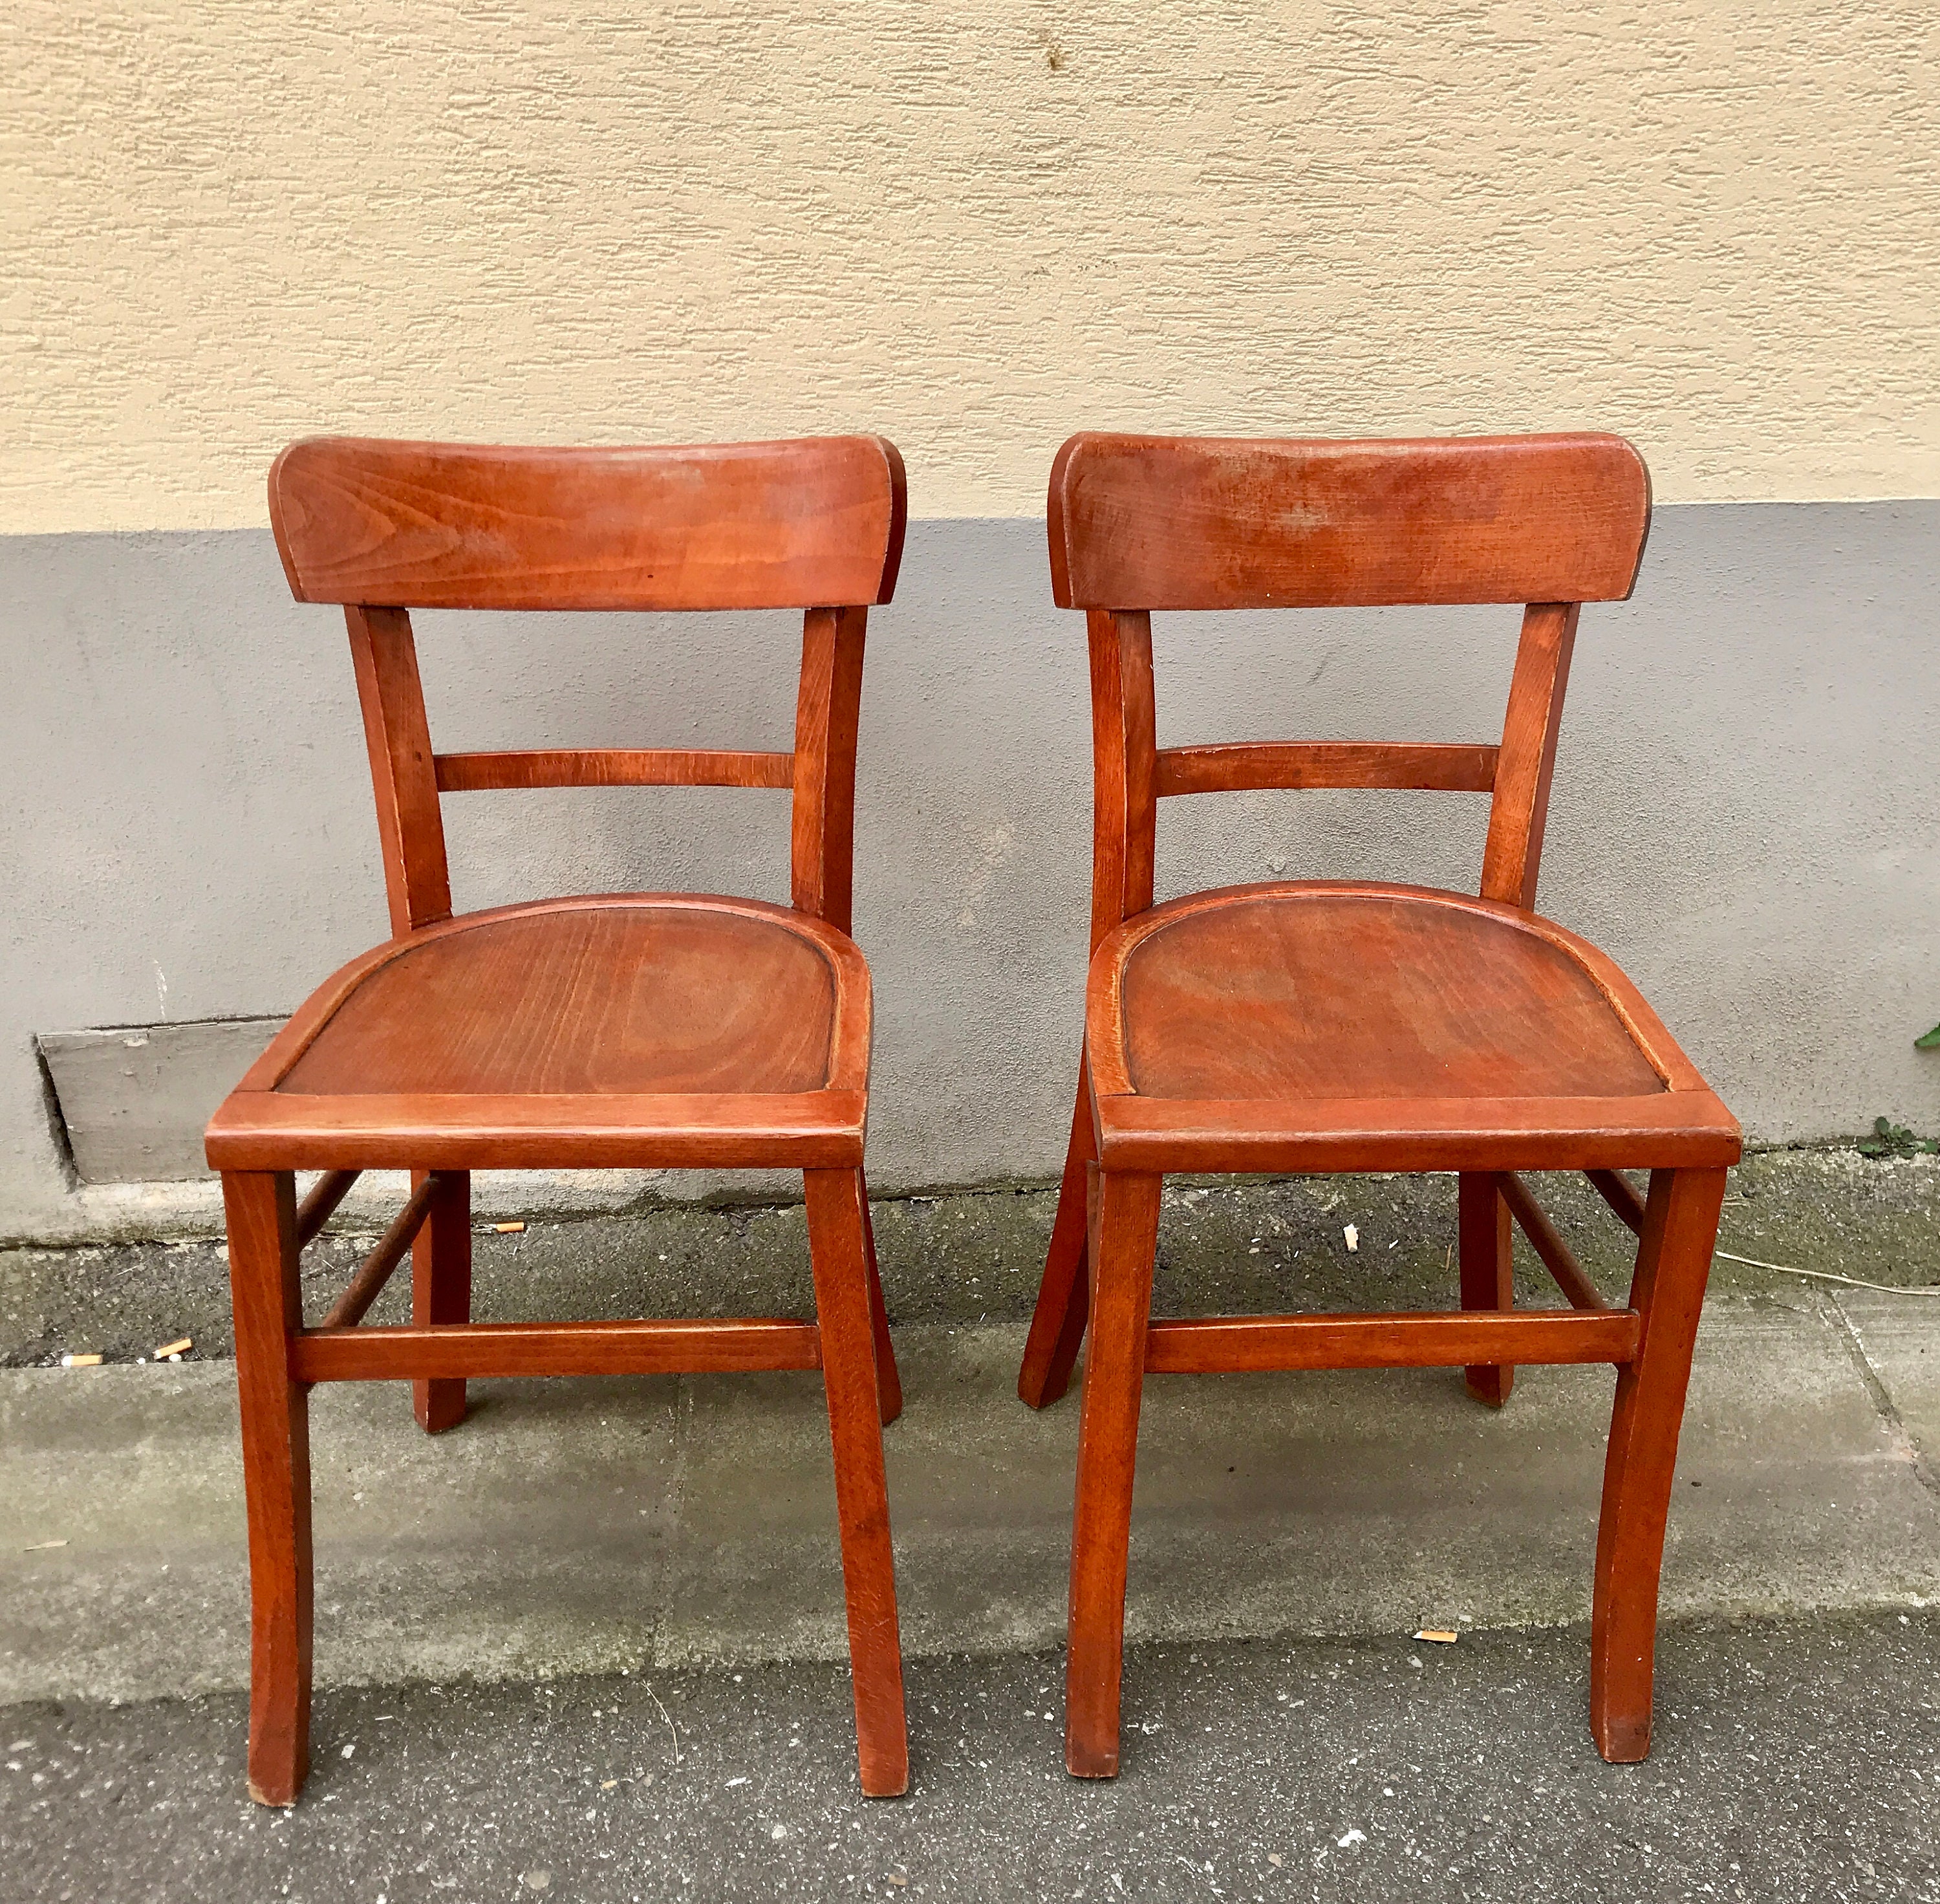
[[383, 527], [1144, 522]]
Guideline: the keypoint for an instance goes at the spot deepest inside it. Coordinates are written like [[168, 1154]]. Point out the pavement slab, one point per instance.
[[1795, 1759], [584, 1526]]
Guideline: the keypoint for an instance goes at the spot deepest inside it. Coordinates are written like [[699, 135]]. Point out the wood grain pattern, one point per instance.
[[654, 1030], [637, 999], [1513, 852], [1321, 1026], [814, 523], [441, 1287], [1304, 994], [1126, 1242], [410, 829], [1674, 1263], [1063, 1298], [822, 840], [838, 1252], [1155, 522], [1274, 1135], [611, 766], [419, 1352], [261, 1211], [1487, 1270], [461, 1130], [1431, 1339], [1258, 766]]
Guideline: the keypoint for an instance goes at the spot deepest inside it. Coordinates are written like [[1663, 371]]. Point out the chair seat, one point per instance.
[[1363, 1026], [644, 1029]]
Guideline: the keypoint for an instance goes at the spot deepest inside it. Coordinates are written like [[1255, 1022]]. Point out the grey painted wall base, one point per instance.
[[1743, 815]]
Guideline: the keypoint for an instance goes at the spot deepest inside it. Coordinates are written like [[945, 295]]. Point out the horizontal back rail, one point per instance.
[[612, 767], [815, 523], [1256, 766], [1157, 522]]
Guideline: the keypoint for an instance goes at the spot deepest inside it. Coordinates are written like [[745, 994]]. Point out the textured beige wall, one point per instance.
[[975, 226]]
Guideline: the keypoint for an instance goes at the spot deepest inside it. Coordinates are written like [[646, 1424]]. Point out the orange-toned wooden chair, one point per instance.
[[640, 1029], [1317, 1026]]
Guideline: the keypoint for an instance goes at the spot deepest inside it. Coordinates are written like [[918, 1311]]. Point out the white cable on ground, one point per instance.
[[1826, 1276]]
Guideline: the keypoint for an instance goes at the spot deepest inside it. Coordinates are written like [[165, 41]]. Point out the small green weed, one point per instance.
[[1891, 1139]]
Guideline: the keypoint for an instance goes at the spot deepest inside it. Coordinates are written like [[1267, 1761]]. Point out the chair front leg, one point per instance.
[[1680, 1231], [261, 1207], [1058, 1324], [837, 1239], [1483, 1246], [1126, 1243]]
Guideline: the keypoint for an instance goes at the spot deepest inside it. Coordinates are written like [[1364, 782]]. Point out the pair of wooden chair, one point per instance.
[[1296, 1026]]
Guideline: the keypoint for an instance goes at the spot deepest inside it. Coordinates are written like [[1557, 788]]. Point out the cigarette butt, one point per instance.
[[508, 1229], [1440, 1635], [180, 1347], [1353, 1236], [80, 1362]]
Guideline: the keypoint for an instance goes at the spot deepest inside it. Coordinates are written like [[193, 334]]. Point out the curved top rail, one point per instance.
[[814, 523], [1177, 522]]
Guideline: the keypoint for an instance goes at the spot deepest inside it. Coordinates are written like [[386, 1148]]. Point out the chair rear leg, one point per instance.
[[838, 1249], [441, 1289], [261, 1207], [1673, 1262], [1057, 1325], [1107, 1439], [1488, 1271], [888, 1382]]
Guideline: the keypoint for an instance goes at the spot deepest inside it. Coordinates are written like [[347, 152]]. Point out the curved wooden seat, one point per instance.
[[654, 1028], [1335, 1026]]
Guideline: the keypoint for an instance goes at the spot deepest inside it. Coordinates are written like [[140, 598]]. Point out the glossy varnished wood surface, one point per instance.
[[1202, 1345], [815, 522], [647, 1030], [1153, 522], [612, 767], [1440, 766], [639, 999], [1320, 1026], [1297, 992]]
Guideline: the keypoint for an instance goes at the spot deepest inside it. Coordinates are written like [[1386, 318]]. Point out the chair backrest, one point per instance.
[[383, 527], [1140, 522]]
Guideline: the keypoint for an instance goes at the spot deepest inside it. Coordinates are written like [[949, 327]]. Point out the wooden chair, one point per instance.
[[640, 1029], [1313, 1026]]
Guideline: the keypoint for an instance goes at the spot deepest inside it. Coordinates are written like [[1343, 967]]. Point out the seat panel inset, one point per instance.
[[639, 999], [1292, 994]]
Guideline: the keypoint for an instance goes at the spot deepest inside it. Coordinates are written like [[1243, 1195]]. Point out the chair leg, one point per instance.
[[838, 1250], [1057, 1325], [1488, 1271], [441, 1290], [1127, 1242], [888, 1382], [1673, 1262], [261, 1207]]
